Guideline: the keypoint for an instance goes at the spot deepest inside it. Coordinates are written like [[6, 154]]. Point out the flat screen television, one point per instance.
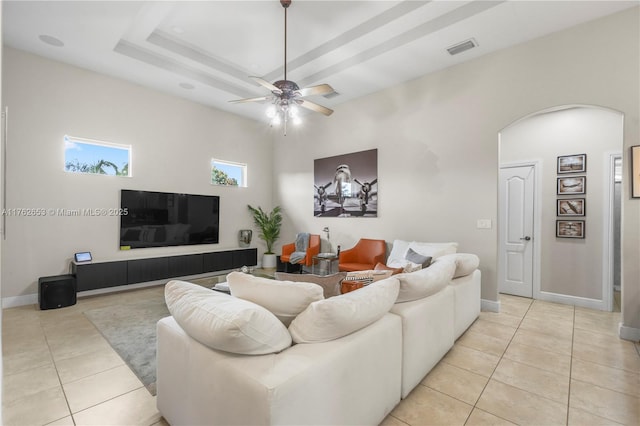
[[160, 219]]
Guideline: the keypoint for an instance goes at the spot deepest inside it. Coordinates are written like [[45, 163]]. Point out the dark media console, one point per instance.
[[93, 276]]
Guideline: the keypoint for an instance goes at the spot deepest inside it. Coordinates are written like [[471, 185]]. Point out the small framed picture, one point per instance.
[[635, 171], [576, 163], [572, 185], [570, 228], [571, 207]]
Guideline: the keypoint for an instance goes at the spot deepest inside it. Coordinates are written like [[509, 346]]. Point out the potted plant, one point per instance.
[[269, 225]]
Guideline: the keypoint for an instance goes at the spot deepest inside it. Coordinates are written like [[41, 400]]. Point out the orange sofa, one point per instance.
[[363, 256]]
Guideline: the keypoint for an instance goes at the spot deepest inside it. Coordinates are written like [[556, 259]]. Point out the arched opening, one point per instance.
[[567, 155]]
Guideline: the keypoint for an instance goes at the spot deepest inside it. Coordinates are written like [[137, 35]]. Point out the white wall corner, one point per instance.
[[629, 333], [15, 301], [490, 305]]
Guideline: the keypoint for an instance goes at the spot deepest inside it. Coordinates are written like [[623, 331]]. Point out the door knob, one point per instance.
[[527, 238]]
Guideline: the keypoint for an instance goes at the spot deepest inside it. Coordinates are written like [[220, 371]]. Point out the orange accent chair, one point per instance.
[[312, 250], [363, 256]]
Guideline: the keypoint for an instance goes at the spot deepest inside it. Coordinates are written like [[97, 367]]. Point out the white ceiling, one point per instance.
[[358, 47]]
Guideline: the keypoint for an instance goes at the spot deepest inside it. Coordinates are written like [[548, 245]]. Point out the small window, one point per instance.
[[96, 157], [228, 173]]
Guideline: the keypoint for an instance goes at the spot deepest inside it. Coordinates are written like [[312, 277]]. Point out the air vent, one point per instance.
[[331, 95], [462, 47]]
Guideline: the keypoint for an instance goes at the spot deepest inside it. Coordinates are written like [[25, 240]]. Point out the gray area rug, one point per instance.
[[130, 329]]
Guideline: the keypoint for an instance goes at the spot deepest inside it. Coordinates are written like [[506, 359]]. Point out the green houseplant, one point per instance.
[[269, 225]]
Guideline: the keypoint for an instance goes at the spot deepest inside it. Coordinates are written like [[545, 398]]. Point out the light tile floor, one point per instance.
[[533, 363]]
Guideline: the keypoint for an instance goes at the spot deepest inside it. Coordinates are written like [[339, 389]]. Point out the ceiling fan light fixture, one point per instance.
[[286, 96]]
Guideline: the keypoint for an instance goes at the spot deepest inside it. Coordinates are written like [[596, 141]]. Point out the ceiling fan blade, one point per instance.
[[315, 107], [266, 84], [321, 89], [260, 99]]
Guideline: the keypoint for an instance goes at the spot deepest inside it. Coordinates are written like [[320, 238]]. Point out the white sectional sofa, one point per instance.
[[352, 359]]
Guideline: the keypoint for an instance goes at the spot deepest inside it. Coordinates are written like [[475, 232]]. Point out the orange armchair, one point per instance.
[[363, 256], [312, 250]]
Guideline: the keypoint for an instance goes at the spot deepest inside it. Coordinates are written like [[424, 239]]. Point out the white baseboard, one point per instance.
[[489, 305], [32, 299], [565, 299], [15, 301], [629, 333]]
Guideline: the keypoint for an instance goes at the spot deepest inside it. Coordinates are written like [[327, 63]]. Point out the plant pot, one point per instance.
[[269, 261]]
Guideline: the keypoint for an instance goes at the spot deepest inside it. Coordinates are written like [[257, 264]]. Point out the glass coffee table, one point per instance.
[[324, 264]]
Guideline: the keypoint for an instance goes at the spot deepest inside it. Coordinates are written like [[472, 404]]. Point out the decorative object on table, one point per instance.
[[576, 163], [286, 95], [346, 185], [570, 228], [635, 171], [244, 237], [572, 185], [571, 207], [269, 225]]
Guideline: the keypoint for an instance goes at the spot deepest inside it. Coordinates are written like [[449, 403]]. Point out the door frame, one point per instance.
[[537, 213], [607, 229]]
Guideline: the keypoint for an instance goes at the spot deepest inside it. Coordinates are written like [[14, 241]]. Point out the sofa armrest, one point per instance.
[[287, 249]]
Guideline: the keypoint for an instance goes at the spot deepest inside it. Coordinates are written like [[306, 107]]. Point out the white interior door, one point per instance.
[[516, 200]]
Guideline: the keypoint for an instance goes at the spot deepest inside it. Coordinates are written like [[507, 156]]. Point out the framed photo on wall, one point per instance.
[[571, 207], [576, 163], [346, 185], [635, 171], [569, 228], [572, 185]]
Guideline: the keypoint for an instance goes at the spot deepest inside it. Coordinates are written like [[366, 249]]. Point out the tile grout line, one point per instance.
[[573, 336], [494, 369], [55, 366]]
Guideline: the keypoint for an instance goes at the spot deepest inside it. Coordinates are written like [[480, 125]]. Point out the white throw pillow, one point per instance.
[[433, 250], [398, 252], [284, 299], [466, 263], [339, 316], [223, 322], [425, 282]]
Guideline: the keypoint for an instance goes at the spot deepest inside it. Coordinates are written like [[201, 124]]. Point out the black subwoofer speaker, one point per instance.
[[57, 292]]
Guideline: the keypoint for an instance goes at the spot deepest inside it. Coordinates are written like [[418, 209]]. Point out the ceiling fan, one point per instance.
[[286, 95]]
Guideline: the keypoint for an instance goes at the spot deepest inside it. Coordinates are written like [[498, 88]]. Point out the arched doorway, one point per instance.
[[568, 257]]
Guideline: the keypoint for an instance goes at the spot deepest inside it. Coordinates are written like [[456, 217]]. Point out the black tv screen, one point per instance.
[[160, 219]]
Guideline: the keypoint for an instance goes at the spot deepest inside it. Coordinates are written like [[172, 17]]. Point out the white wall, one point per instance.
[[437, 138], [173, 141], [568, 266]]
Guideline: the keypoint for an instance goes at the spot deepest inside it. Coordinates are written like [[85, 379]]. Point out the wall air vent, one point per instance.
[[462, 46]]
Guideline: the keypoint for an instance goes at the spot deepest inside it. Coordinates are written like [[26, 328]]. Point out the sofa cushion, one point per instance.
[[466, 263], [336, 317], [284, 299], [417, 258], [382, 267], [398, 251], [223, 322], [330, 283], [425, 282], [434, 250]]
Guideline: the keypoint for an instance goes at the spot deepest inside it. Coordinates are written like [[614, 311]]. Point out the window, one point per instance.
[[228, 173], [96, 157]]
